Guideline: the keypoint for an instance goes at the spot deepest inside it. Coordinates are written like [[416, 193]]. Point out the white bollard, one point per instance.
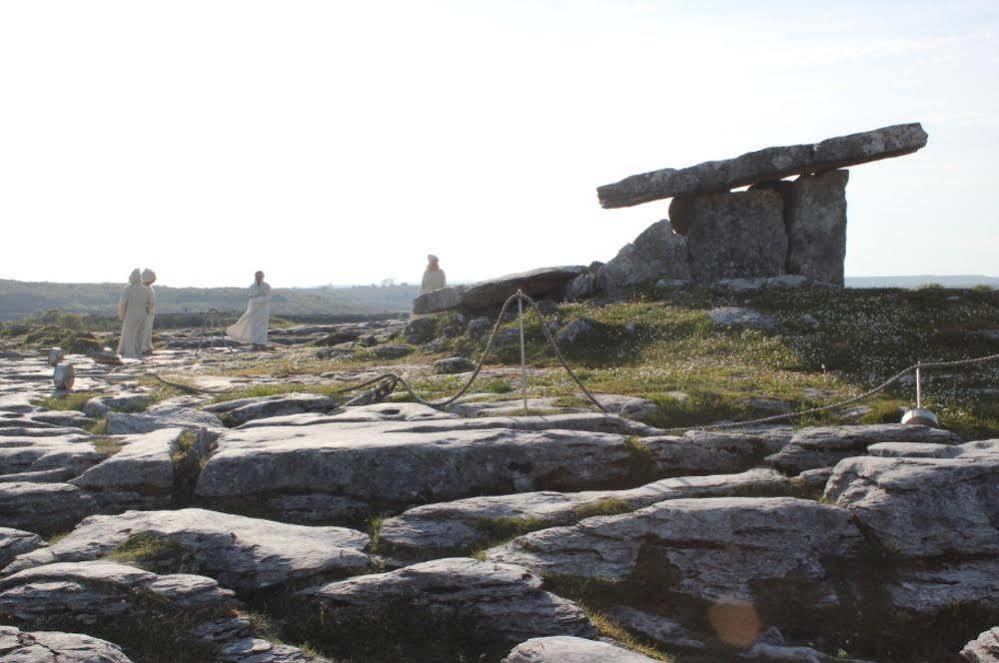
[[64, 376], [56, 355]]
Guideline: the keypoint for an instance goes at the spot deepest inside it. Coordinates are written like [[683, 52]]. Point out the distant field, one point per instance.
[[19, 299]]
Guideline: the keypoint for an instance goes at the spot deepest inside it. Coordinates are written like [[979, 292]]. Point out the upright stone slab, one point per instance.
[[815, 214], [736, 235]]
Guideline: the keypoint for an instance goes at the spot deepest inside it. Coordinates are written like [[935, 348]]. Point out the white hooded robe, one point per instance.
[[147, 331], [433, 279], [133, 306], [252, 327]]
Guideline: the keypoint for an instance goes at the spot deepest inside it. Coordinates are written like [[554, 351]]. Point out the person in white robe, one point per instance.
[[433, 276], [133, 306], [252, 327], [148, 278]]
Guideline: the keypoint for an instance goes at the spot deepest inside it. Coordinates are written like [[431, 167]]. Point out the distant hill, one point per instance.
[[19, 299], [959, 281]]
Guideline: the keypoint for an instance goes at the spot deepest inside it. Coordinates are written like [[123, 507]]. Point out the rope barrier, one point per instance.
[[387, 382]]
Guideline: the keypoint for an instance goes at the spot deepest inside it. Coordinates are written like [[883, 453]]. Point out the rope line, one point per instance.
[[841, 404], [387, 382]]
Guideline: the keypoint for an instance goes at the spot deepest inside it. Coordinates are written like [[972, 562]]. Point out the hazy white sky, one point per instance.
[[339, 142]]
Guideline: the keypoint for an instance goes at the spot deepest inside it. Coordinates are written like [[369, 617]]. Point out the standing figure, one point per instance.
[[148, 278], [252, 327], [133, 306], [433, 276]]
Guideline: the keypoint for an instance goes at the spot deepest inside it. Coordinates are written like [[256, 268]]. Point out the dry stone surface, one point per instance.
[[506, 601], [570, 649], [17, 646], [244, 554]]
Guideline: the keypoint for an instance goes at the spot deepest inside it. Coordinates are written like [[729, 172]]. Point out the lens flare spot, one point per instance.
[[735, 622]]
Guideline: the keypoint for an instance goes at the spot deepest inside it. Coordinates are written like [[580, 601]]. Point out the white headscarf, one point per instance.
[[136, 277], [148, 275]]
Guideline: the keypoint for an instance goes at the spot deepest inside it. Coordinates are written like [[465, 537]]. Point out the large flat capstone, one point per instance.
[[772, 163]]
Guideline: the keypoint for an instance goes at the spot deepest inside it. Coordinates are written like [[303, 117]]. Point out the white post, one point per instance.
[[919, 389], [523, 350]]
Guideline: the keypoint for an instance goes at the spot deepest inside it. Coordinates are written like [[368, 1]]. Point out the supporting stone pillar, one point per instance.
[[815, 213], [733, 235]]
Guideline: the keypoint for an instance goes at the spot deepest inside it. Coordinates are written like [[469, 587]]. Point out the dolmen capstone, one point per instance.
[[775, 227]]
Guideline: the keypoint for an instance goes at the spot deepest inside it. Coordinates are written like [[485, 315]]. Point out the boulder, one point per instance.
[[140, 475], [17, 646], [772, 163], [438, 300], [356, 415], [243, 554], [735, 235], [240, 411], [658, 253], [14, 542], [815, 215], [98, 406], [984, 649], [770, 647], [453, 365], [171, 413], [583, 334], [488, 295], [925, 593], [63, 455], [769, 552], [537, 283], [433, 530], [391, 351], [824, 446], [655, 627], [570, 649], [406, 463], [739, 316], [256, 650], [420, 330], [923, 507], [501, 602], [114, 601], [43, 507]]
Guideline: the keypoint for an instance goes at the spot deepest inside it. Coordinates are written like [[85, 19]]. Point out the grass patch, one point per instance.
[[147, 551], [74, 400], [107, 446], [606, 507], [99, 427], [187, 465], [608, 628]]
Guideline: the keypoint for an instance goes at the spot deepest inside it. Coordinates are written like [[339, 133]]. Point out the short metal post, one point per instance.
[[523, 348]]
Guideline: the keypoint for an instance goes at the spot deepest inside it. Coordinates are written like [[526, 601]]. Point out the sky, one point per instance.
[[340, 142]]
